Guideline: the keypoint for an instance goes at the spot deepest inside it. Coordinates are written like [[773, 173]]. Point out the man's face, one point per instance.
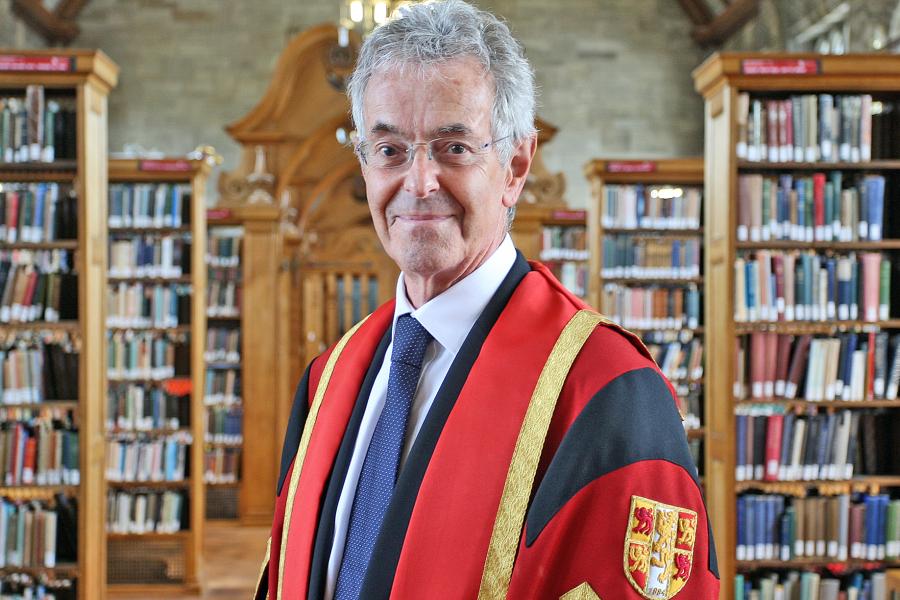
[[437, 222]]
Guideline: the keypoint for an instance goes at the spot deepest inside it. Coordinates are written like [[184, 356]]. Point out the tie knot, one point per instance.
[[410, 341]]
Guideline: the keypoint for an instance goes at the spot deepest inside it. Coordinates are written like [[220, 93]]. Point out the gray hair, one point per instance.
[[432, 32]]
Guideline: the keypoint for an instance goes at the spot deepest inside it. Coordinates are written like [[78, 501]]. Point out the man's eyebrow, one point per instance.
[[454, 128], [451, 129], [381, 127]]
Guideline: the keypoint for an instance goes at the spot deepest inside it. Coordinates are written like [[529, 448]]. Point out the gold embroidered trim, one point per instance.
[[262, 570], [519, 479], [582, 592], [304, 444]]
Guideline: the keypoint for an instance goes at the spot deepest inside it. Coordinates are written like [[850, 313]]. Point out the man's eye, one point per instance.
[[387, 150], [452, 147]]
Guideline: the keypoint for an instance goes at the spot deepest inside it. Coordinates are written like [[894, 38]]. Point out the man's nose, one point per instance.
[[421, 176]]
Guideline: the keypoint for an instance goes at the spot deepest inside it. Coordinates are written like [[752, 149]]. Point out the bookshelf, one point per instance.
[[781, 129], [66, 91], [156, 327], [649, 212], [245, 264], [556, 236]]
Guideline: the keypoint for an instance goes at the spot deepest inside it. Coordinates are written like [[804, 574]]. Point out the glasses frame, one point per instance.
[[411, 147]]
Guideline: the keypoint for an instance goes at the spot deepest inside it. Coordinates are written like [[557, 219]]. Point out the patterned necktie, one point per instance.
[[379, 470]]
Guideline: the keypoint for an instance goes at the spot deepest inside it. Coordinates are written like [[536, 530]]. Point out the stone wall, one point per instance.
[[614, 74], [13, 32]]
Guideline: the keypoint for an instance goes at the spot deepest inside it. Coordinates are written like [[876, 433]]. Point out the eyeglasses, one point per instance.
[[457, 151]]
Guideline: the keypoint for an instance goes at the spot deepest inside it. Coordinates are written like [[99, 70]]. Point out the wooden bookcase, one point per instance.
[[721, 80], [528, 234], [676, 174], [156, 561], [261, 364], [83, 78]]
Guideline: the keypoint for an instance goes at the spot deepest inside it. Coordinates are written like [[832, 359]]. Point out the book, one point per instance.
[[812, 128], [774, 285], [37, 127]]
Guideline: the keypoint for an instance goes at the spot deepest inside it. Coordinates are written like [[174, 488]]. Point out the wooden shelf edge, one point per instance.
[[881, 164], [893, 244], [799, 402]]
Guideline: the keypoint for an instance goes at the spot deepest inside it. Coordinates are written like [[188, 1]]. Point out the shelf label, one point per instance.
[[631, 166], [780, 66], [571, 215], [43, 64], [167, 166], [215, 214]]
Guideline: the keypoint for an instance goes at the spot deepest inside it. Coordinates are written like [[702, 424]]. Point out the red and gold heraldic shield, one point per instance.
[[659, 547]]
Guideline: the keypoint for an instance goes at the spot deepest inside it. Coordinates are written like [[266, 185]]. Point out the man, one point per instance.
[[483, 435]]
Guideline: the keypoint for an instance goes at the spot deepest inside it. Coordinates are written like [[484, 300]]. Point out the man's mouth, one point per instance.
[[421, 218]]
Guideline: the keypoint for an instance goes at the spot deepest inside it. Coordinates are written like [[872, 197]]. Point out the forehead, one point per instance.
[[417, 100]]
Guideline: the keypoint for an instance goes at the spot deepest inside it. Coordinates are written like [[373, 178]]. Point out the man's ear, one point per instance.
[[517, 170]]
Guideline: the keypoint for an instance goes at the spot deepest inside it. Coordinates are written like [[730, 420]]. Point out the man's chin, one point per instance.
[[424, 263]]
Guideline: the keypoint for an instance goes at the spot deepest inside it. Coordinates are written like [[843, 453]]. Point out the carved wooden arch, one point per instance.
[[303, 105]]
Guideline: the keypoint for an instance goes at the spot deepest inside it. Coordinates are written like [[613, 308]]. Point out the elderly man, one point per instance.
[[484, 435]]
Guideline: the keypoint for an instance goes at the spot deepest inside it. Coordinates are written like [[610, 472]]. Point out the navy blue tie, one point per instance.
[[379, 470]]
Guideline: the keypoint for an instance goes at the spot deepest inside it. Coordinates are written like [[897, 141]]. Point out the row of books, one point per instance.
[[651, 207], [27, 535], [691, 407], [38, 447], [223, 292], [223, 247], [223, 386], [627, 256], [146, 512], [653, 306], [222, 465], [224, 424], [223, 344], [148, 459], [35, 128], [811, 585], [773, 285], [40, 586], [572, 274], [147, 355], [38, 212], [567, 242], [812, 209], [149, 205], [847, 366], [774, 445], [774, 527], [32, 533], [35, 367], [679, 361], [37, 285], [138, 408], [138, 305], [805, 128], [166, 256]]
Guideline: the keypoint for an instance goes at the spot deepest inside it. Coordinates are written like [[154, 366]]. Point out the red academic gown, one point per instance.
[[616, 508]]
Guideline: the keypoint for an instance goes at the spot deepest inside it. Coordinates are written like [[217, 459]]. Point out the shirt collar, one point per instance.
[[449, 316]]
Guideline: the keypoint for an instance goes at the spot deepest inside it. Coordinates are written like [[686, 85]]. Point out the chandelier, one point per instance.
[[363, 16]]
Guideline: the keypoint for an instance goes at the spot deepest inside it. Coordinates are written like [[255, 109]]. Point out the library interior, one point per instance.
[[194, 267]]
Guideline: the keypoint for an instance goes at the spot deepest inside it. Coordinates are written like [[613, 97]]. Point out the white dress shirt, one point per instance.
[[448, 317]]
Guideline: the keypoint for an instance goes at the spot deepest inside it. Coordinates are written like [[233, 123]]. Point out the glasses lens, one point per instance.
[[456, 151], [450, 151], [386, 154]]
